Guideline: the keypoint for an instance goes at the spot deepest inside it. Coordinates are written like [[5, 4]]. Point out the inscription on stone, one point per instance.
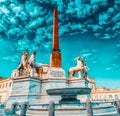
[[57, 73]]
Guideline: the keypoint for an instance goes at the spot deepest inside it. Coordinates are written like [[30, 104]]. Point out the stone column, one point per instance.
[[51, 109], [23, 109], [33, 68], [13, 108], [89, 108], [117, 106]]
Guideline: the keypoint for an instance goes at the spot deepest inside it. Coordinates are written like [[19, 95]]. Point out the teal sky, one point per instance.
[[89, 28]]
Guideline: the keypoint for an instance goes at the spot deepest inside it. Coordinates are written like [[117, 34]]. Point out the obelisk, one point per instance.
[[55, 59]]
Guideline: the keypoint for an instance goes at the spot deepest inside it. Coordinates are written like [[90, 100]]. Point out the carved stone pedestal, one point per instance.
[[24, 89]]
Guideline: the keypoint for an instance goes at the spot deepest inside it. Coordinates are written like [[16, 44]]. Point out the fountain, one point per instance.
[[69, 94], [35, 85]]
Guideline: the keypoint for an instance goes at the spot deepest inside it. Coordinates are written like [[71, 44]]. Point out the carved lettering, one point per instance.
[[57, 73]]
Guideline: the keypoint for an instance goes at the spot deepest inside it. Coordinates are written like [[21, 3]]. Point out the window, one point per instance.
[[14, 74], [116, 96], [96, 96], [100, 96], [110, 96], [10, 84], [3, 86], [6, 84]]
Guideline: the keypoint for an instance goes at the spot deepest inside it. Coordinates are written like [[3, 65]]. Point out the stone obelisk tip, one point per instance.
[[55, 31]]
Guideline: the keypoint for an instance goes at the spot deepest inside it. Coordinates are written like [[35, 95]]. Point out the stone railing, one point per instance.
[[88, 108]]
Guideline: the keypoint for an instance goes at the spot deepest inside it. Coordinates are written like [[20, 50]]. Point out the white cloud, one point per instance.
[[12, 58], [118, 45], [4, 10], [108, 68], [87, 54]]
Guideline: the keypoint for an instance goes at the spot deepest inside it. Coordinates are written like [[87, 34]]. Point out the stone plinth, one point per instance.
[[51, 83], [24, 89], [55, 59], [77, 82]]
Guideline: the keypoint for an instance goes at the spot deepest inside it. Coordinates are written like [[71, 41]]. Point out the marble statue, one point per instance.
[[28, 66], [85, 69], [81, 67], [34, 66], [32, 61], [23, 64]]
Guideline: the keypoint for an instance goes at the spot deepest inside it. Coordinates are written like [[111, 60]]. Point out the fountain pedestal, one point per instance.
[[67, 99], [69, 95], [24, 89]]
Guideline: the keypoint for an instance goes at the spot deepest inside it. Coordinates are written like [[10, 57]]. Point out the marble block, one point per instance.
[[24, 89], [77, 82]]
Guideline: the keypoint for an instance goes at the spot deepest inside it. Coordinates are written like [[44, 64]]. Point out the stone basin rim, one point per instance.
[[69, 91]]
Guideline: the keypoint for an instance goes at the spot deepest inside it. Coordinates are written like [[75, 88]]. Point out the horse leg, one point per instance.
[[84, 74], [73, 74], [79, 74], [68, 74], [32, 72], [41, 73]]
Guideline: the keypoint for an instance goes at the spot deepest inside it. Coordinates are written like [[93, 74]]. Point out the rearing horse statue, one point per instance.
[[28, 66], [78, 68], [24, 59], [32, 62], [23, 64], [33, 65]]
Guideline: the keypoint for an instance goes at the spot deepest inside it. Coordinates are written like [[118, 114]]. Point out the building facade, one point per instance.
[[5, 89], [105, 94]]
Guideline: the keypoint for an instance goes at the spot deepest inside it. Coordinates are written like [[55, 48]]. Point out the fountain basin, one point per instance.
[[69, 91], [68, 95]]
